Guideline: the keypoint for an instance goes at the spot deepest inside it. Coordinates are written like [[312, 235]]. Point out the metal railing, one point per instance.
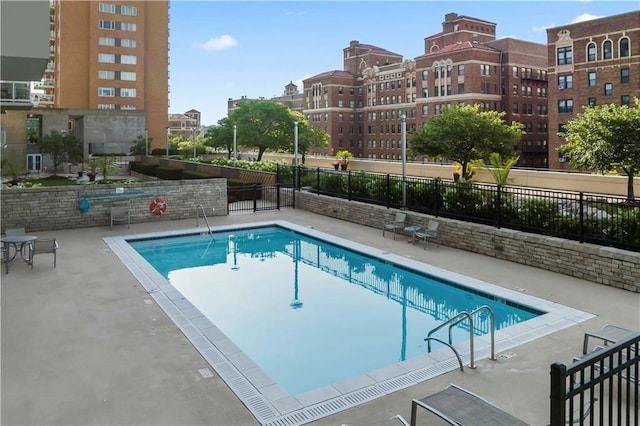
[[200, 208], [598, 388], [457, 319], [260, 198], [593, 218]]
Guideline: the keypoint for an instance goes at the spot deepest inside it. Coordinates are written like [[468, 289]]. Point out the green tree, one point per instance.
[[60, 148], [264, 125], [220, 136], [141, 146], [462, 133], [500, 167], [309, 137], [605, 138]]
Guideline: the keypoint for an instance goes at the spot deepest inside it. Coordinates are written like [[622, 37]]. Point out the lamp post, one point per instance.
[[146, 142], [295, 154], [166, 154], [193, 134], [404, 160], [235, 148]]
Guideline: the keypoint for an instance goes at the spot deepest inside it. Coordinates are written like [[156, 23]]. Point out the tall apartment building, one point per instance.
[[363, 106], [108, 59], [591, 63]]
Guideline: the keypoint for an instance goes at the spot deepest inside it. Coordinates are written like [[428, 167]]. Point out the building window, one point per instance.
[[591, 52], [106, 25], [129, 10], [565, 55], [106, 75], [106, 106], [127, 42], [625, 100], [485, 69], [515, 89], [591, 82], [425, 75], [128, 59], [624, 75], [565, 82], [565, 106], [106, 91], [107, 41], [107, 8], [127, 26], [608, 89], [624, 47], [461, 69], [128, 107], [514, 108], [607, 49], [592, 102], [128, 76], [106, 58], [425, 109], [340, 90], [514, 71], [340, 104], [460, 88]]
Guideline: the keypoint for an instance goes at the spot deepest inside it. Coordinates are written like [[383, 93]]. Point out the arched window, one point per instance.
[[607, 49], [591, 52], [624, 47]]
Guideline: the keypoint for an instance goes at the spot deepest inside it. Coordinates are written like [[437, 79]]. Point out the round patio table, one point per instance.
[[15, 241]]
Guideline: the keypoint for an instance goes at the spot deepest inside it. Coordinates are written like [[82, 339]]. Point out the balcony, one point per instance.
[[15, 95]]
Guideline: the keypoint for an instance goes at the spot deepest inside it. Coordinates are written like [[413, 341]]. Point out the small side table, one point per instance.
[[608, 334], [410, 230]]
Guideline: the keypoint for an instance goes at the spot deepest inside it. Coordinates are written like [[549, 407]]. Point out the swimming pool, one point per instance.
[[220, 295]]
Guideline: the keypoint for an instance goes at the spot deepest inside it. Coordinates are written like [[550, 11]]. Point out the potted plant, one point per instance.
[[93, 166], [343, 157]]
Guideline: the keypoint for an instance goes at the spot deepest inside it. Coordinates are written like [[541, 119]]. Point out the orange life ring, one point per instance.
[[158, 206]]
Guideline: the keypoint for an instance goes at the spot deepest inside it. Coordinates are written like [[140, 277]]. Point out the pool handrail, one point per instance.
[[199, 208], [458, 318]]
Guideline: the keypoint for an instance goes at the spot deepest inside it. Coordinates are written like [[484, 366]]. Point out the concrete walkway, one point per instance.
[[84, 344]]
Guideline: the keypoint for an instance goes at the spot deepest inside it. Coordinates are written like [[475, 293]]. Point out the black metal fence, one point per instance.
[[594, 218], [259, 198], [600, 388]]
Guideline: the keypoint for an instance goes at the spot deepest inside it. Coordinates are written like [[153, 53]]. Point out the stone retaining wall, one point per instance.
[[45, 209], [603, 265]]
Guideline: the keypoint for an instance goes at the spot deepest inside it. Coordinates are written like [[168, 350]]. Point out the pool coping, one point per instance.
[[272, 405]]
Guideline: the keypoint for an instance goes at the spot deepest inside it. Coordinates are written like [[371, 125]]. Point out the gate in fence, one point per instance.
[[259, 198]]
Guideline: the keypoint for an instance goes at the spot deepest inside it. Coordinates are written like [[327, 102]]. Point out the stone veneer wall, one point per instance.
[[45, 209], [603, 265]]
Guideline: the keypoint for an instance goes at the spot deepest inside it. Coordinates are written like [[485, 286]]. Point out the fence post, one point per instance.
[[499, 206], [318, 180], [278, 195], [388, 190], [349, 185], [438, 196], [255, 198], [582, 217], [558, 394]]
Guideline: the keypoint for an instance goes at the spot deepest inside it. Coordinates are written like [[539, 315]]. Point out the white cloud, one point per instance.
[[585, 17], [222, 42], [540, 29], [300, 83]]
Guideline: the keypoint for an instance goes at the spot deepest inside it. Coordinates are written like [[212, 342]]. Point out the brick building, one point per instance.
[[363, 106], [591, 63], [109, 56]]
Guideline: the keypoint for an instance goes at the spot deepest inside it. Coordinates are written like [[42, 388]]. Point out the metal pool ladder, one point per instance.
[[200, 208], [455, 320]]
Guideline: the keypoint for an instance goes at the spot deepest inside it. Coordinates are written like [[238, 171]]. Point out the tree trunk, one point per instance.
[[630, 192]]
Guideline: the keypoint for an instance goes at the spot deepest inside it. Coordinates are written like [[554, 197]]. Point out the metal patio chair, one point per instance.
[[43, 246]]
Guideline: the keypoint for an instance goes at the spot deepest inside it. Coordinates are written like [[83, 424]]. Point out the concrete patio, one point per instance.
[[84, 344]]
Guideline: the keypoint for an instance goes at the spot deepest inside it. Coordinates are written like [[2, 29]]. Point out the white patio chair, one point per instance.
[[430, 233], [120, 215]]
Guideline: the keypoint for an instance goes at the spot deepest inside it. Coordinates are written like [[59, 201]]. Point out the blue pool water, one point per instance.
[[311, 313]]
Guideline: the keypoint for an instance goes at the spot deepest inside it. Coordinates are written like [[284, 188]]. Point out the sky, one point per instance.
[[229, 49]]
